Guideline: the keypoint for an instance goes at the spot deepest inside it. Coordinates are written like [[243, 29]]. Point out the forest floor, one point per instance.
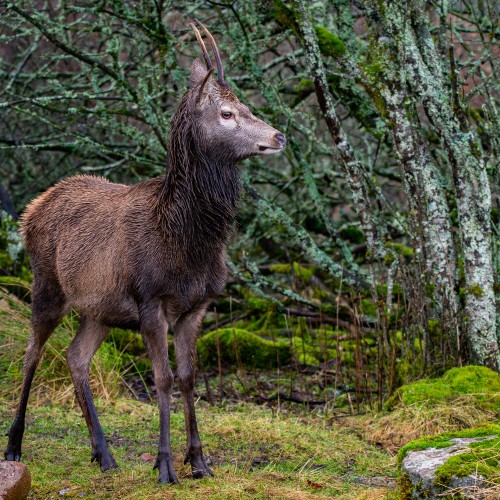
[[266, 433], [254, 452]]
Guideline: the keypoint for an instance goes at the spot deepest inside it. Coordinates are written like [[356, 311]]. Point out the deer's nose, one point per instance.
[[281, 139]]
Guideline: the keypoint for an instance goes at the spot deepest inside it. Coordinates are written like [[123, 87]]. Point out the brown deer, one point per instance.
[[146, 257]]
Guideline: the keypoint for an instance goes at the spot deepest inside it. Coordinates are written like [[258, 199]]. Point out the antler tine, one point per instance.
[[208, 62], [220, 70]]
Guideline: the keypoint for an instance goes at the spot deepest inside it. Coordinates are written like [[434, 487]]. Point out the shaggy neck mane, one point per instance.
[[201, 188]]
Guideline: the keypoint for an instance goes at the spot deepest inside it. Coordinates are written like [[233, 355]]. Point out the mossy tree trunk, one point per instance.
[[413, 77], [429, 85], [426, 78], [356, 174]]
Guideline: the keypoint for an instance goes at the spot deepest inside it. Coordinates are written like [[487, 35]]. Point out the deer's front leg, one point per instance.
[[185, 334], [154, 332]]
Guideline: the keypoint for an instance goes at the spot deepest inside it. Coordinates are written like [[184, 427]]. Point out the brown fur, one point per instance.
[[148, 257]]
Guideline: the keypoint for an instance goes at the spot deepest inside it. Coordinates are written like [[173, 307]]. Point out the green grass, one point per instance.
[[254, 454], [53, 380]]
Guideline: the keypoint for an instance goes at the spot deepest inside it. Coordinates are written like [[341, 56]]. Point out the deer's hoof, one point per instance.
[[12, 456], [199, 466], [104, 459], [166, 469]]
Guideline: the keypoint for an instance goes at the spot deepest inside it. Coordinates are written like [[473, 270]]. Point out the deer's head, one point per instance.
[[228, 127]]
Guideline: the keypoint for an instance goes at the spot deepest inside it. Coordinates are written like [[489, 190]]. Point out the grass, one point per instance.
[[254, 454], [463, 398]]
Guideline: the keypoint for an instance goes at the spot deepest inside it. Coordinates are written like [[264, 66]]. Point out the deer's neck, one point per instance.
[[197, 205]]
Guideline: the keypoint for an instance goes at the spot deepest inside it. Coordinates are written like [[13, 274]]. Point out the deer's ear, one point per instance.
[[206, 88], [198, 73]]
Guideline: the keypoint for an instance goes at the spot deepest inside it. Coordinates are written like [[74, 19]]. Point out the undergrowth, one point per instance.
[[52, 380], [463, 398]]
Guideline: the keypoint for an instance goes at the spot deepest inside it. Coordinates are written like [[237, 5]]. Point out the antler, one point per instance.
[[220, 70], [208, 62]]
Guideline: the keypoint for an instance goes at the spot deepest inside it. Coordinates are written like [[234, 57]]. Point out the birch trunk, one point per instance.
[[425, 78]]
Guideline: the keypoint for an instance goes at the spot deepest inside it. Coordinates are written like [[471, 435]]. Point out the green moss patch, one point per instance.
[[329, 44], [240, 347], [479, 381], [301, 272]]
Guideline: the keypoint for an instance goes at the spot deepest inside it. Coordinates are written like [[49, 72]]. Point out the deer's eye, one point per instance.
[[227, 115]]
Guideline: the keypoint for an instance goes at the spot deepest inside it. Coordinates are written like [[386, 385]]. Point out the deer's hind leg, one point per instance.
[[48, 304], [87, 340]]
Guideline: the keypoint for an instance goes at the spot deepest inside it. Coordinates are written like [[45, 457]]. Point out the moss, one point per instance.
[[242, 347], [258, 304], [304, 353], [353, 234], [444, 440], [284, 15], [400, 249], [478, 380], [301, 272], [429, 290], [405, 487], [368, 308], [475, 290], [329, 44], [482, 459], [495, 215], [375, 69], [382, 290], [304, 88]]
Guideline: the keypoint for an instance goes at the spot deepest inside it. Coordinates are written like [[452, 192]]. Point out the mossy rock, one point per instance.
[[479, 381], [238, 346], [444, 440], [482, 459], [474, 455], [304, 353]]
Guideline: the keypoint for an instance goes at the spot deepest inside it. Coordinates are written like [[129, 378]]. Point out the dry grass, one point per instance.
[[406, 423], [52, 380]]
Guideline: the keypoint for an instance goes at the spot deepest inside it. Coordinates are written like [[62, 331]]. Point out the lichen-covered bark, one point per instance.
[[354, 171], [320, 208], [300, 238], [406, 23], [428, 213]]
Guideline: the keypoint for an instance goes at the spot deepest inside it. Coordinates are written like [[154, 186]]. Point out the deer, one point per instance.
[[148, 257]]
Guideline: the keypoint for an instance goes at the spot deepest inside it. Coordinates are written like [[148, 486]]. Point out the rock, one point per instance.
[[419, 467], [15, 480]]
